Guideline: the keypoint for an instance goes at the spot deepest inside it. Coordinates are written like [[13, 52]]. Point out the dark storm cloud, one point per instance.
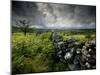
[[49, 15], [25, 10]]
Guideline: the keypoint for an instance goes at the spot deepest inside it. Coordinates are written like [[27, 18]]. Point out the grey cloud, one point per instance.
[[50, 15]]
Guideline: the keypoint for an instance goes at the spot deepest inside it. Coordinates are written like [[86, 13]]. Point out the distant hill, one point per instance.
[[16, 29]]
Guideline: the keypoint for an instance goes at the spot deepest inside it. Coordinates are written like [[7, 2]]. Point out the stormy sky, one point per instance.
[[54, 16]]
